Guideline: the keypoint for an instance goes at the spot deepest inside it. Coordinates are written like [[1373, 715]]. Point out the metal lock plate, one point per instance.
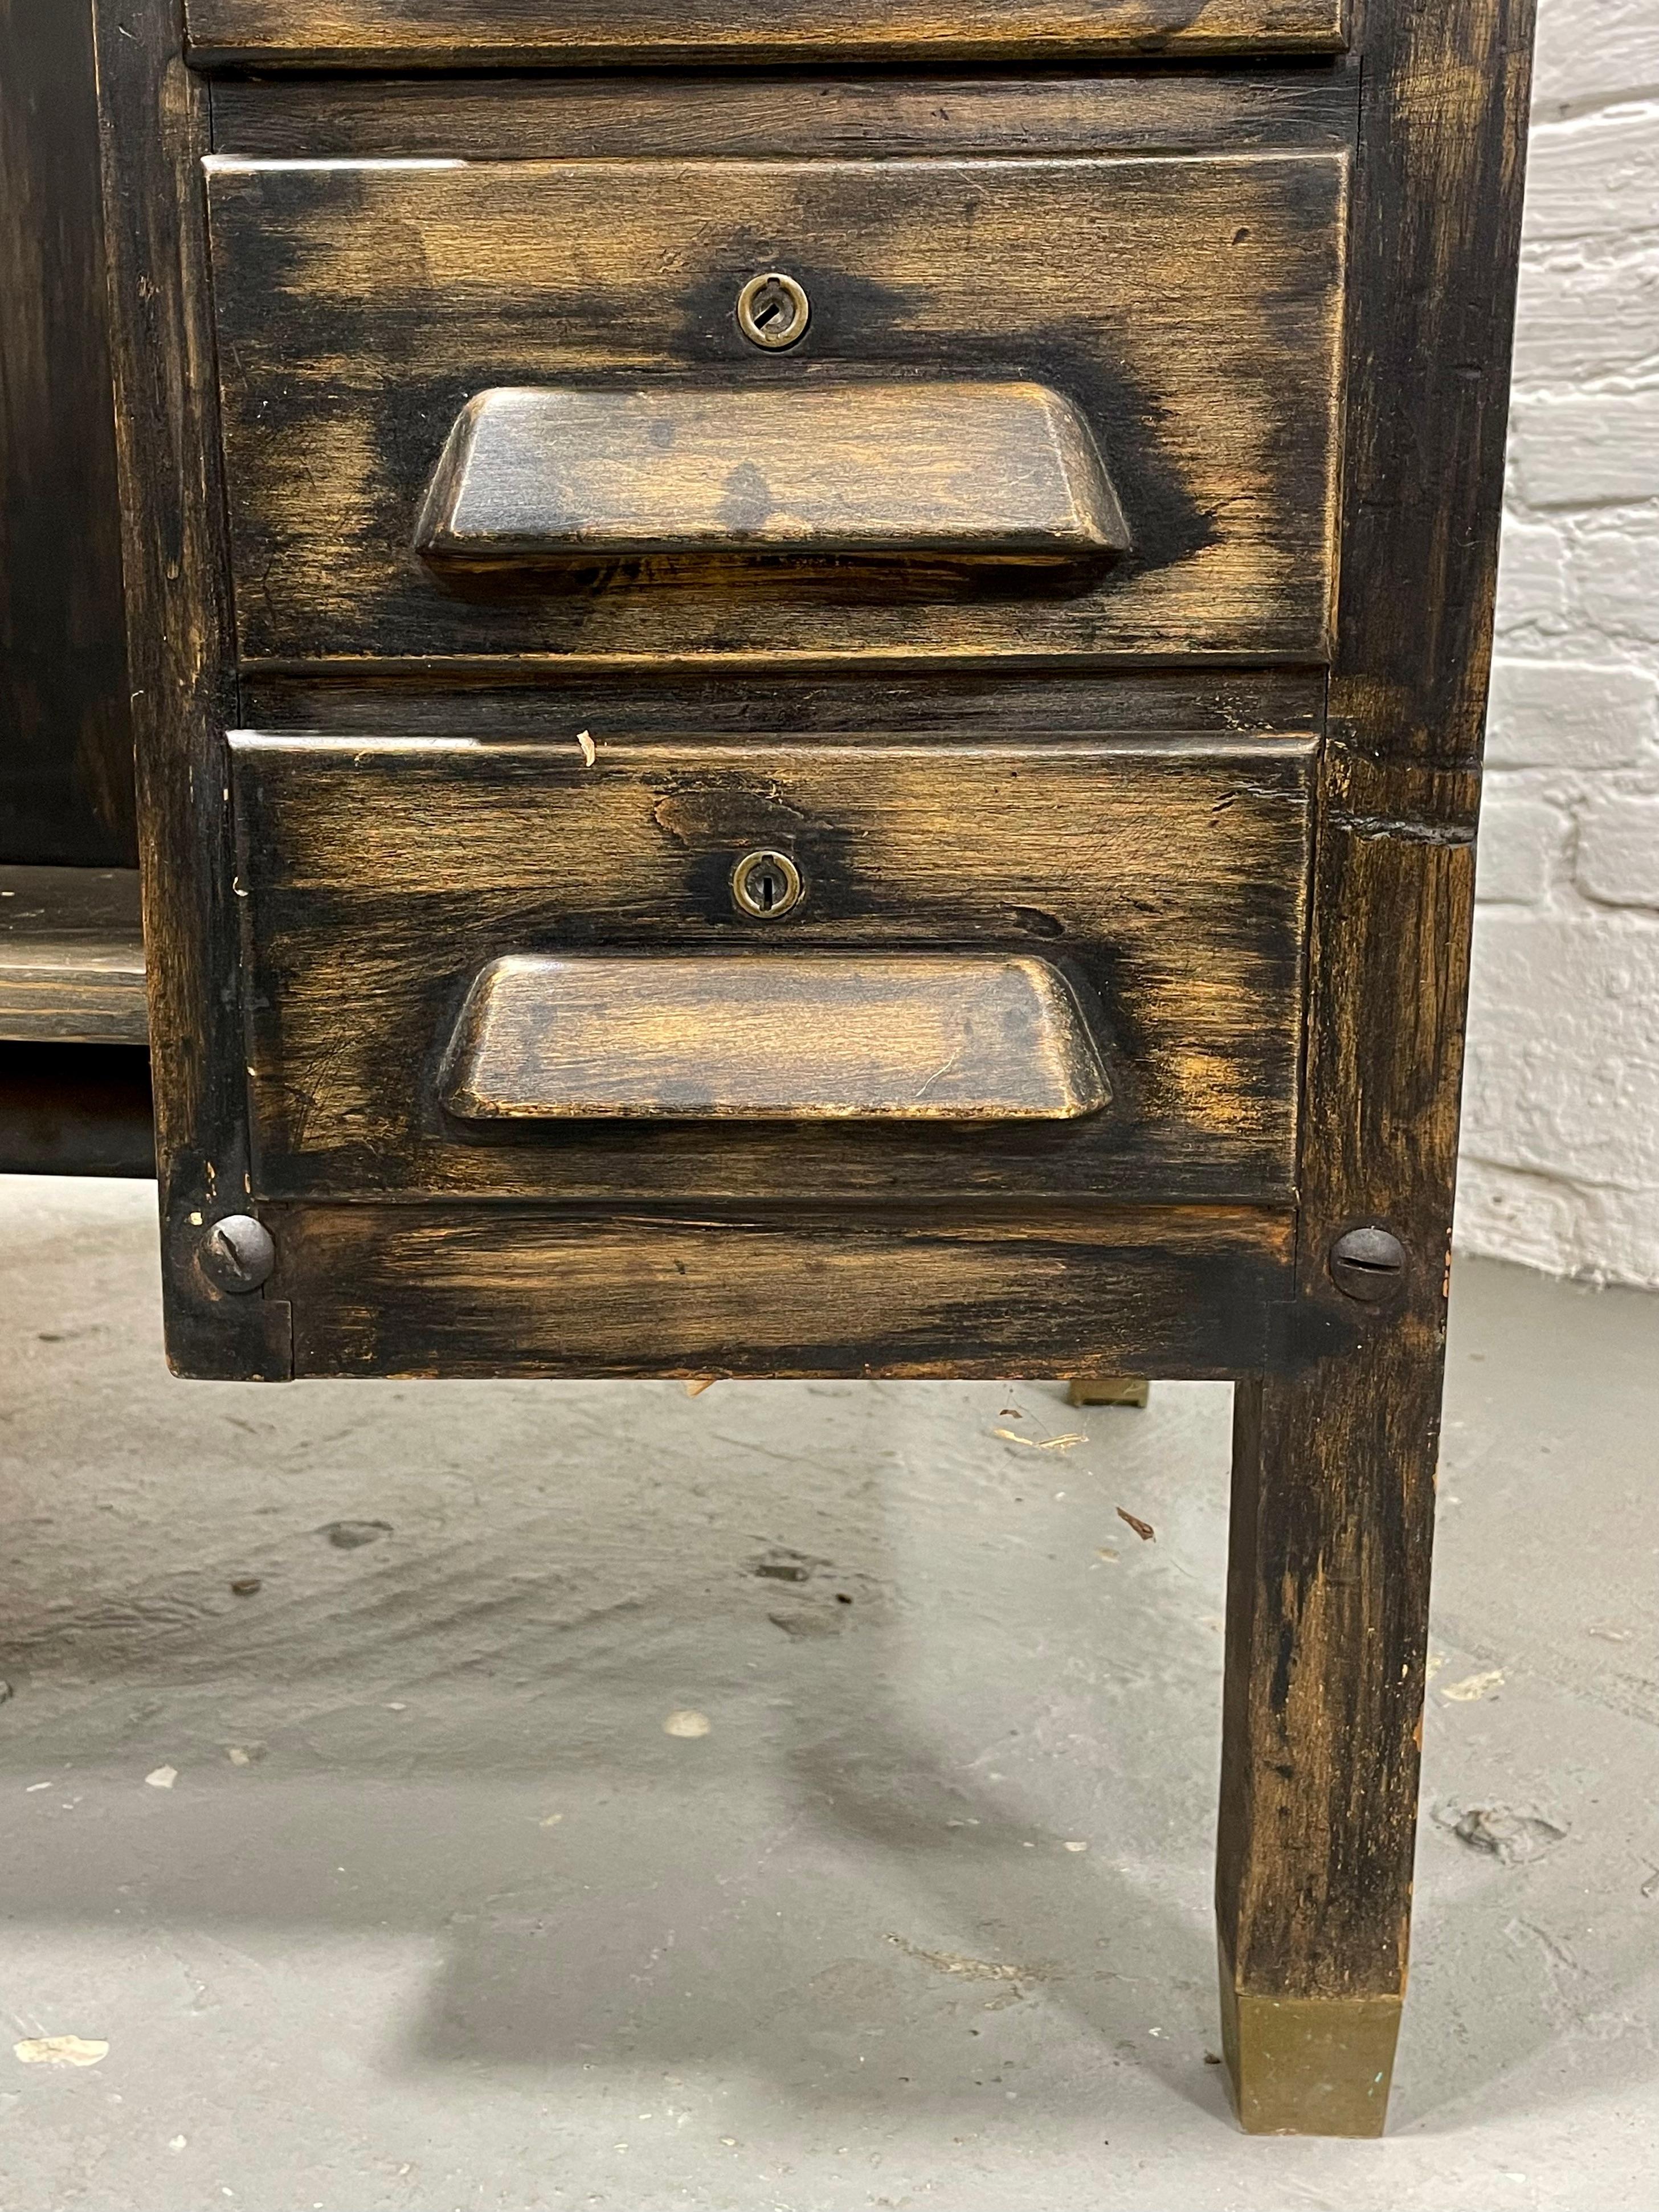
[[767, 884], [773, 311]]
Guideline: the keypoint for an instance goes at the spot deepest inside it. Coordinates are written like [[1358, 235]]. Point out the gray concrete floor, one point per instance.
[[435, 1913]]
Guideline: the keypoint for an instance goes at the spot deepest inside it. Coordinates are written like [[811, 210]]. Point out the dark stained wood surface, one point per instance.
[[154, 117], [65, 737], [1188, 309], [849, 481], [773, 1036], [450, 1289], [843, 702], [581, 231], [76, 1110], [770, 114], [1334, 1484], [71, 956], [378, 33], [378, 878]]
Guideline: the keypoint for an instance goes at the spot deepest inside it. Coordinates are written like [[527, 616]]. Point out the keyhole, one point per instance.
[[766, 885], [773, 311]]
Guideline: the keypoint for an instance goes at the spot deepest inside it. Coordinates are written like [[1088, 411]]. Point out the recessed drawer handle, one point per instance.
[[980, 474], [773, 1036]]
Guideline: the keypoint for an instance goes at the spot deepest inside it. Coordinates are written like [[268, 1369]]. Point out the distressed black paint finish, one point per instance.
[[547, 705], [153, 116], [1168, 875], [1334, 1465], [766, 114], [1188, 310], [1233, 320], [580, 33], [454, 1290]]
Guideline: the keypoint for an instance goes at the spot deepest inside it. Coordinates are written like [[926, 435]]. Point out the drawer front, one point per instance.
[[380, 34], [499, 1290], [1040, 408], [950, 971]]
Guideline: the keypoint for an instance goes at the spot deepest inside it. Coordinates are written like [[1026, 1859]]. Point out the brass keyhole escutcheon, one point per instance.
[[773, 311], [766, 885]]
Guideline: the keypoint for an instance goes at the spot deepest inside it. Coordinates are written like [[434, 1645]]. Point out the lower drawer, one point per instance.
[[735, 971]]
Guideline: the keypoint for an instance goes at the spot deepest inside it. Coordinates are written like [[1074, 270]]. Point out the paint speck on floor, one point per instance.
[[60, 2051]]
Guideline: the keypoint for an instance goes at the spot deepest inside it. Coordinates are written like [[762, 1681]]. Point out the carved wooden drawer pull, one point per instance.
[[774, 1036], [981, 474]]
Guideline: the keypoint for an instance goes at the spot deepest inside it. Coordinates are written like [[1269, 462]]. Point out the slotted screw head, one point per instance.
[[237, 1254], [1368, 1264]]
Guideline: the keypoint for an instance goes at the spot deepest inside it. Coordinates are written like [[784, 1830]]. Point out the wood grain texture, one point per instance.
[[843, 703], [770, 114], [1189, 310], [475, 33], [379, 877], [71, 956], [1206, 302], [1334, 1460], [451, 1290], [772, 1036], [153, 128], [65, 739], [857, 482]]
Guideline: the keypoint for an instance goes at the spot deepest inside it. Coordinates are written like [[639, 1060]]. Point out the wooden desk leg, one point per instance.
[[1328, 1589]]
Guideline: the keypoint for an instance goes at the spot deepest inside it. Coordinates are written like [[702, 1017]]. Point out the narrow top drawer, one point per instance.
[[483, 34]]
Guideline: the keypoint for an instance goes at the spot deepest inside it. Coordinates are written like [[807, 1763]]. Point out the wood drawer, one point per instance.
[[1006, 363], [473, 33], [1123, 920]]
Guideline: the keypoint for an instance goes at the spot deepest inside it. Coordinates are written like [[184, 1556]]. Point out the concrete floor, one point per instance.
[[436, 1915]]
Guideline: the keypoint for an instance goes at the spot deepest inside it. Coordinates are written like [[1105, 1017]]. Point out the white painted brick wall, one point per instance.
[[1560, 1161]]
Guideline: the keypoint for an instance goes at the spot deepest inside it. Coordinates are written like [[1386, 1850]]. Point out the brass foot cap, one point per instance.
[[1309, 2066], [1109, 1390]]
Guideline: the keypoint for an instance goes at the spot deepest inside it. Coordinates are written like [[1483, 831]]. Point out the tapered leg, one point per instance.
[[1334, 1450], [1326, 1625]]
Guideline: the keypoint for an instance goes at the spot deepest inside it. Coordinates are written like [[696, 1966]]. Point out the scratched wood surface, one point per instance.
[[768, 114], [460, 1289], [1334, 1457], [180, 658], [381, 34], [1190, 309], [1168, 251], [844, 702], [379, 879]]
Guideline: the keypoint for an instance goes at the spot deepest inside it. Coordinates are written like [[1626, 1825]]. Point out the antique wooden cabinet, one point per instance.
[[809, 684]]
